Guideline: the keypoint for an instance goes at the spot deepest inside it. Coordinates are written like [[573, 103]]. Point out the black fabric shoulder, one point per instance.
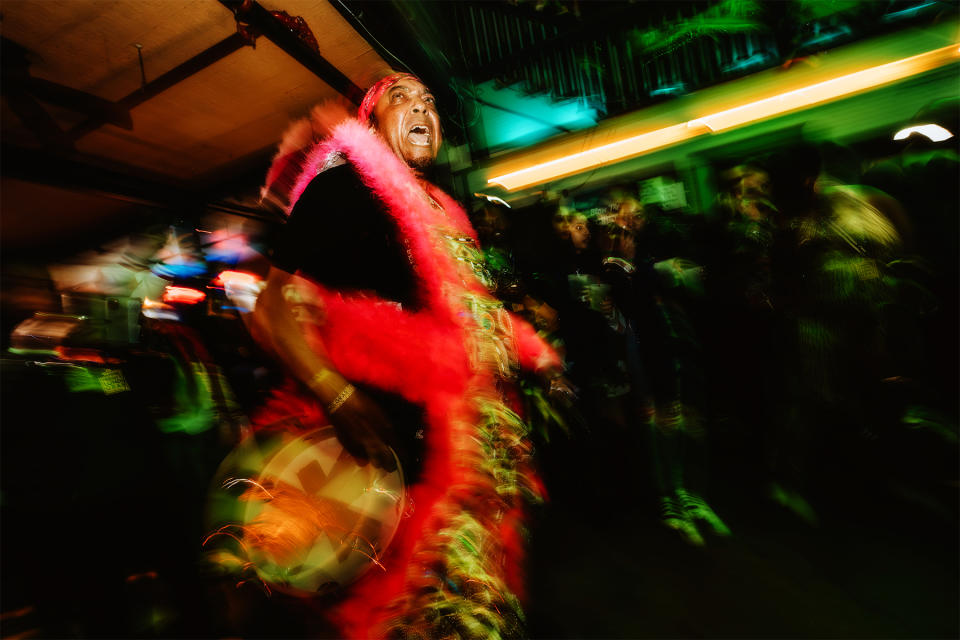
[[312, 217], [339, 234]]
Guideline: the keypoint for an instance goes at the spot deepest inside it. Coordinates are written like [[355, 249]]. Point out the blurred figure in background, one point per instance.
[[833, 289], [739, 328], [922, 177], [590, 324], [646, 305], [499, 254]]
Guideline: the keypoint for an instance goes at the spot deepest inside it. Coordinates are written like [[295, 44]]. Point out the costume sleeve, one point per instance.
[[533, 351], [338, 235], [315, 234]]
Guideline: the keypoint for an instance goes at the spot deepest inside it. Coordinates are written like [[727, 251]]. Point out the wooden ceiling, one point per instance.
[[222, 115]]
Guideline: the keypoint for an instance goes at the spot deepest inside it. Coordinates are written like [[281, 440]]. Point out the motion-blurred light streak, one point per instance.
[[756, 110], [185, 295]]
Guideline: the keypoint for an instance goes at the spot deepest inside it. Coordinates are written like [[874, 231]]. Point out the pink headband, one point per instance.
[[375, 92]]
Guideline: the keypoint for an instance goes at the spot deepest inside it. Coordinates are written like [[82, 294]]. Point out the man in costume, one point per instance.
[[377, 292]]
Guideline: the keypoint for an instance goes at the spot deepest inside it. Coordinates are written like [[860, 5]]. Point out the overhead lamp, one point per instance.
[[934, 132], [746, 113]]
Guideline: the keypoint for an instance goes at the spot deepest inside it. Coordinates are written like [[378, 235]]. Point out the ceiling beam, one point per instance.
[[82, 172], [167, 80], [24, 94], [251, 13], [78, 172]]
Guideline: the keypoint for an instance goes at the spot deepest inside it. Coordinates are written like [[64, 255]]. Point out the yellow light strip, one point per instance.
[[747, 113]]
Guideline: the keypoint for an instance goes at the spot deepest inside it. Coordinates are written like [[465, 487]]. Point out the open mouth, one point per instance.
[[419, 135]]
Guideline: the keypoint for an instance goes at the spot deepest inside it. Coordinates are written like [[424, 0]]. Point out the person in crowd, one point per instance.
[[589, 330], [741, 326], [657, 348], [499, 252]]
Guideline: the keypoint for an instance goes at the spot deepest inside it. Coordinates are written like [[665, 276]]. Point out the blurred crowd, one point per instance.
[[792, 345], [802, 329]]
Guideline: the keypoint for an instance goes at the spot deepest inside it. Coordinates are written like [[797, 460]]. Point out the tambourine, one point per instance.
[[300, 514]]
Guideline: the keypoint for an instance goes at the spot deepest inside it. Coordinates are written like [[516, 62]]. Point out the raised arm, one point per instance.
[[282, 318]]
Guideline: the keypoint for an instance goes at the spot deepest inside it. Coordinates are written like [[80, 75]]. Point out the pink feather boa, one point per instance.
[[421, 355]]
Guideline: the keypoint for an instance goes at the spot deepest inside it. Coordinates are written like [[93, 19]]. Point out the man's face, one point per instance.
[[406, 117]]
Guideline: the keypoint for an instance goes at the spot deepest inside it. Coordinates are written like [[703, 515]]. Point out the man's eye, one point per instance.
[[430, 99], [397, 97]]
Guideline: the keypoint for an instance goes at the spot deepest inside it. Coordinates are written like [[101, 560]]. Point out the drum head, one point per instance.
[[301, 512]]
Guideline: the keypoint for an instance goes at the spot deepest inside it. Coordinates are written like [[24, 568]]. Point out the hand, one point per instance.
[[561, 388], [362, 427]]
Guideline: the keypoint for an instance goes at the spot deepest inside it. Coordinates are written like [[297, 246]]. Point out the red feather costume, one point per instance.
[[455, 564]]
